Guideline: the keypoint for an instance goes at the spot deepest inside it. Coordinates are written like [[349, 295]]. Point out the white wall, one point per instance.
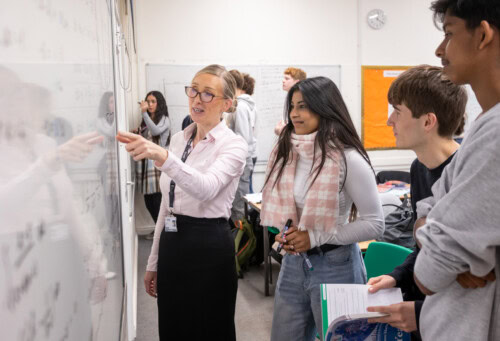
[[408, 38], [290, 32]]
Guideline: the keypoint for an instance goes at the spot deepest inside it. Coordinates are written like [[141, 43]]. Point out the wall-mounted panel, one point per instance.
[[61, 272]]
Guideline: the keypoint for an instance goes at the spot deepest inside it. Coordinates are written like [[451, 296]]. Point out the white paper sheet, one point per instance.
[[353, 299]]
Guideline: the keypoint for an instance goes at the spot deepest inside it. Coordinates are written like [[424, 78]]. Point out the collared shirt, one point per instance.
[[205, 183]]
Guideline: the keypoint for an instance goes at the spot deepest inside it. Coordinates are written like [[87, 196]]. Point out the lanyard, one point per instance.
[[171, 194]]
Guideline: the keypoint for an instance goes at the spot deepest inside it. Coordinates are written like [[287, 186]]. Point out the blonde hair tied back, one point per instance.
[[228, 82]]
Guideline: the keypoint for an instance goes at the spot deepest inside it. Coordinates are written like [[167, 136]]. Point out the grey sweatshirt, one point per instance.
[[462, 233], [243, 121], [162, 129]]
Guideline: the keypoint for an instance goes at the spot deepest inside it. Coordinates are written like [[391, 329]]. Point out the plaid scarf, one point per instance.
[[321, 207], [147, 175]]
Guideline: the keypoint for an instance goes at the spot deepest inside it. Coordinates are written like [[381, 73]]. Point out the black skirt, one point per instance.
[[197, 281]]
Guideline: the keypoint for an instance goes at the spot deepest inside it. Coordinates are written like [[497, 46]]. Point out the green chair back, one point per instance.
[[381, 258]]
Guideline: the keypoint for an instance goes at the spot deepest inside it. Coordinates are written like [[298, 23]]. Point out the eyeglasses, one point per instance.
[[205, 97]]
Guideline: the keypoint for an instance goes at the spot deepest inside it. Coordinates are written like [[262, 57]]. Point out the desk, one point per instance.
[[364, 245], [267, 262], [255, 206], [265, 235]]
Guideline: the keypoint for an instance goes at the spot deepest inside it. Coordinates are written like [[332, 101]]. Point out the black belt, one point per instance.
[[324, 248], [195, 220]]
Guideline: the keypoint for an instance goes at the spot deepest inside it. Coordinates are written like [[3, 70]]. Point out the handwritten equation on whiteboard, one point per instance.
[[39, 295], [28, 28], [60, 238]]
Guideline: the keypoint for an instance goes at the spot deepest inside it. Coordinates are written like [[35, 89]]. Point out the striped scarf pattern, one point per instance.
[[322, 199]]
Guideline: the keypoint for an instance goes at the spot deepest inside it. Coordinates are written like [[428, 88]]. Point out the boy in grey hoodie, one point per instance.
[[242, 125], [462, 225], [248, 87]]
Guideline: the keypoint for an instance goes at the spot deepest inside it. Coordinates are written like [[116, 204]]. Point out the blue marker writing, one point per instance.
[[287, 225]]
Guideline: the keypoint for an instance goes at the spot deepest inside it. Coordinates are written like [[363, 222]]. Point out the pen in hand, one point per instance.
[[287, 225]]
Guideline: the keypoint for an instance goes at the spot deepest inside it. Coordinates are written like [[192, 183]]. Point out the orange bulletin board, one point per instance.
[[375, 109]]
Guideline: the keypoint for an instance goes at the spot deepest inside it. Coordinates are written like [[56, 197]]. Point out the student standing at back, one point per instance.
[[291, 76], [428, 112], [155, 127], [186, 121], [317, 170], [248, 88], [242, 125], [461, 231]]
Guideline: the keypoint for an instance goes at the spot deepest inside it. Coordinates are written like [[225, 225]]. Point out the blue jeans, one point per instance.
[[297, 305]]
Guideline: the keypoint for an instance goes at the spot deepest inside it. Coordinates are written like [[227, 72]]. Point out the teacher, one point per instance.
[[191, 268]]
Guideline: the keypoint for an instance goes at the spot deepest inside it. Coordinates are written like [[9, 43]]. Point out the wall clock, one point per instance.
[[376, 19]]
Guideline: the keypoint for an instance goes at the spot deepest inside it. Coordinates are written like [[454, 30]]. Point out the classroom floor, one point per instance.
[[254, 311]]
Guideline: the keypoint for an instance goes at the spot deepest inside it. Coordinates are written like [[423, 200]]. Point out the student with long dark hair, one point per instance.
[[317, 170], [155, 127]]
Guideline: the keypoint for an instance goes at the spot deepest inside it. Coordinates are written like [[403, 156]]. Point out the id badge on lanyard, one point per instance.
[[170, 223], [170, 219]]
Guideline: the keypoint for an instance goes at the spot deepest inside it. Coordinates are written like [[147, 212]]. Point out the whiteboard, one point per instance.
[[61, 272], [268, 94]]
